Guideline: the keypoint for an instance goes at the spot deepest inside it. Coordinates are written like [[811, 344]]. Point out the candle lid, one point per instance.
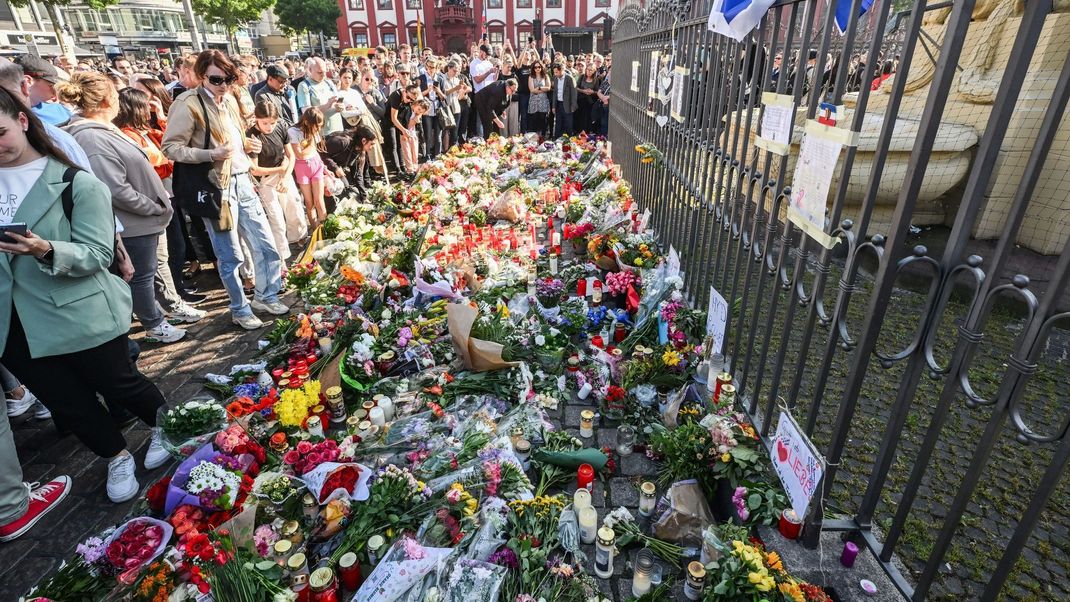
[[728, 389], [283, 546], [321, 578], [296, 561], [648, 488], [869, 587], [523, 446], [335, 391], [364, 425], [318, 408], [347, 560], [606, 536], [587, 415], [291, 527], [696, 569], [313, 420], [308, 499], [375, 542], [644, 560]]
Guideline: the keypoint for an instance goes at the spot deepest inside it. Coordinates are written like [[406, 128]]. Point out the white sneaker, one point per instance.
[[18, 407], [165, 333], [249, 322], [274, 308], [156, 456], [40, 412], [122, 484], [186, 313]]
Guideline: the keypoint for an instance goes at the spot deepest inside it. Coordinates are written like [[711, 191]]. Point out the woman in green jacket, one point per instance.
[[63, 316]]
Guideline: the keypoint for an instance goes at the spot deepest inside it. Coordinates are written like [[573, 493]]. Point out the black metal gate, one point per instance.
[[929, 368]]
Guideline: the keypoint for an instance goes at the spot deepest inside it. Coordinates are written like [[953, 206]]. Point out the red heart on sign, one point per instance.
[[781, 451]]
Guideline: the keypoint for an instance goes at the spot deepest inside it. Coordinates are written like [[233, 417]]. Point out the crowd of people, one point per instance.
[[120, 182]]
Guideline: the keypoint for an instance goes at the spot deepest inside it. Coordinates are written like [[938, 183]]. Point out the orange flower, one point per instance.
[[352, 275], [304, 331]]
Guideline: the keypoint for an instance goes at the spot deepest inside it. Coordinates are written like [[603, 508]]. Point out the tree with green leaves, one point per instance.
[[50, 7], [307, 16], [231, 14]]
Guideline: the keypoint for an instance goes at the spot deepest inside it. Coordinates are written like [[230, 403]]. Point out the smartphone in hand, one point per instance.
[[17, 228]]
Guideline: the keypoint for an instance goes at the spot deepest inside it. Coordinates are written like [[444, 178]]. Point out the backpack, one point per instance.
[[67, 199]]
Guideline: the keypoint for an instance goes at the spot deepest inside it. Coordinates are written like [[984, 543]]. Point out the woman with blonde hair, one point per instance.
[[141, 202], [306, 138]]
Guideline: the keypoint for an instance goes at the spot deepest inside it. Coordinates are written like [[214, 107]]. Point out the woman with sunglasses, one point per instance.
[[224, 145], [539, 84]]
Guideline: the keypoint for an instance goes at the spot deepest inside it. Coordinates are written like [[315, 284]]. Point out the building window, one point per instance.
[[494, 3], [497, 35], [384, 4], [356, 4], [414, 37], [553, 3], [602, 3], [390, 39], [523, 32], [360, 38], [412, 4], [523, 3]]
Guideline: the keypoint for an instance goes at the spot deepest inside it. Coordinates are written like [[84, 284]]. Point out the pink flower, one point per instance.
[[453, 496], [739, 500], [291, 457], [304, 447]]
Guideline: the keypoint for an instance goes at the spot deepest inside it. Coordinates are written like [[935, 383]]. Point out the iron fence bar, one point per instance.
[[773, 267], [957, 25], [723, 94], [700, 157], [800, 263], [815, 300], [975, 191]]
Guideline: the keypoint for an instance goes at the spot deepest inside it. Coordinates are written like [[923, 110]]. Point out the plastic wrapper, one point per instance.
[[473, 475], [146, 555], [176, 493], [468, 580], [529, 417], [405, 565], [509, 206], [181, 449], [317, 482], [683, 514], [671, 409], [493, 514]]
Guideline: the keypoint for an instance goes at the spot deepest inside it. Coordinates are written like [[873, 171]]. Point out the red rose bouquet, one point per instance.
[[137, 543]]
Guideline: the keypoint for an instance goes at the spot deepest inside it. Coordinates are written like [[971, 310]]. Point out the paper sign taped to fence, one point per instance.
[[679, 78], [716, 320], [673, 262], [797, 463], [652, 89], [776, 127], [810, 186], [635, 76]]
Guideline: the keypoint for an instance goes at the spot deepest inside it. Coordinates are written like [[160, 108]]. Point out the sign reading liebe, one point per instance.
[[797, 463]]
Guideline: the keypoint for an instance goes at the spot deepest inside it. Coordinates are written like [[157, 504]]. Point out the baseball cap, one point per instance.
[[38, 68], [484, 48], [277, 72]]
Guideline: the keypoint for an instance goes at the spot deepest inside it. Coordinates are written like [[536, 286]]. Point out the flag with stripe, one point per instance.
[[737, 18], [843, 12]]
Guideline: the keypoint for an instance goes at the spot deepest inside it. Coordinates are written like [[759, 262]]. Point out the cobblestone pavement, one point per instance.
[[211, 345]]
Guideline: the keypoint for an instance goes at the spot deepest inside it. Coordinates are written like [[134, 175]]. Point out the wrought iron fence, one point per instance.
[[832, 335]]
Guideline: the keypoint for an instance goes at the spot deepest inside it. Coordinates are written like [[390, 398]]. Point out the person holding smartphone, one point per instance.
[[63, 330]]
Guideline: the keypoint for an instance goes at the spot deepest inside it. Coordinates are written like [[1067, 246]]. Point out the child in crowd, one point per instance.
[[410, 146], [306, 139]]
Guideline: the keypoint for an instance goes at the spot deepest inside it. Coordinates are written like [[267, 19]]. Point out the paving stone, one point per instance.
[[623, 492], [30, 570], [572, 414], [637, 464]]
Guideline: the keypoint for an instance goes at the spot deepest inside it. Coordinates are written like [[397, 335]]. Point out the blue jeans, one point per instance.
[[252, 224], [600, 118], [142, 251], [562, 120]]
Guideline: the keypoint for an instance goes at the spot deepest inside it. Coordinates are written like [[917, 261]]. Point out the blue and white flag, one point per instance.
[[736, 18], [843, 12]]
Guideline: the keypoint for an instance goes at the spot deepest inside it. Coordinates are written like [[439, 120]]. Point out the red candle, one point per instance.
[[596, 341], [585, 477], [349, 571], [581, 288], [619, 334], [550, 224], [276, 374], [534, 255], [790, 524], [311, 359]]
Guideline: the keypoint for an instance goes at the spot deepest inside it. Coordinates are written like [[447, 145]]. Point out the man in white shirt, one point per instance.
[[318, 91], [482, 69]]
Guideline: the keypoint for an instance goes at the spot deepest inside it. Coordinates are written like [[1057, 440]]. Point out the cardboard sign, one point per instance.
[[797, 463], [716, 320]]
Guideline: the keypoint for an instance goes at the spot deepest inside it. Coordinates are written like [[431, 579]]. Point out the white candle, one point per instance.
[[588, 518], [377, 416], [581, 499], [387, 405], [555, 239], [553, 264], [584, 391]]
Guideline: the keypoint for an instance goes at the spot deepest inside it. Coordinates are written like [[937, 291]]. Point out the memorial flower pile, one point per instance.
[[395, 439]]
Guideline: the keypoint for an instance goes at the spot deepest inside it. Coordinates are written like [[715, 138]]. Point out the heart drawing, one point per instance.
[[781, 451]]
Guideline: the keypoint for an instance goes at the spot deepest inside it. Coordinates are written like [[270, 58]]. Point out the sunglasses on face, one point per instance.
[[219, 80]]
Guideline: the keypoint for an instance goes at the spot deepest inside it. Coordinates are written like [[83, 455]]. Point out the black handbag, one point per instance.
[[193, 189]]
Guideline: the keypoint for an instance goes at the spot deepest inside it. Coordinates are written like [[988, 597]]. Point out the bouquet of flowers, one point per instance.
[[403, 566], [137, 543], [331, 480], [190, 425], [275, 487], [209, 479], [473, 581], [621, 282], [307, 455], [302, 275], [749, 572], [549, 291], [294, 404], [623, 524]]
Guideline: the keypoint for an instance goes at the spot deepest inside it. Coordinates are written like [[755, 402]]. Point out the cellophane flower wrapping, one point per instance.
[[405, 565], [318, 481], [176, 492], [143, 557], [181, 448]]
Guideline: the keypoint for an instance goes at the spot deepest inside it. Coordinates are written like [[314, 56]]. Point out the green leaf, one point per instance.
[[754, 500]]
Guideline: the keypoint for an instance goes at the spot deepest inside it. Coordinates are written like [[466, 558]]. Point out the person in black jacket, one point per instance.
[[349, 150], [492, 102]]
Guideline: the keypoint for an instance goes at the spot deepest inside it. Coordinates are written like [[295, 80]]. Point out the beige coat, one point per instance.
[[183, 141]]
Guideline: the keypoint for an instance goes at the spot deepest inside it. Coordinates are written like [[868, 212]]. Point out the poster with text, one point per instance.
[[635, 76], [679, 84], [810, 185], [716, 320], [797, 464]]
